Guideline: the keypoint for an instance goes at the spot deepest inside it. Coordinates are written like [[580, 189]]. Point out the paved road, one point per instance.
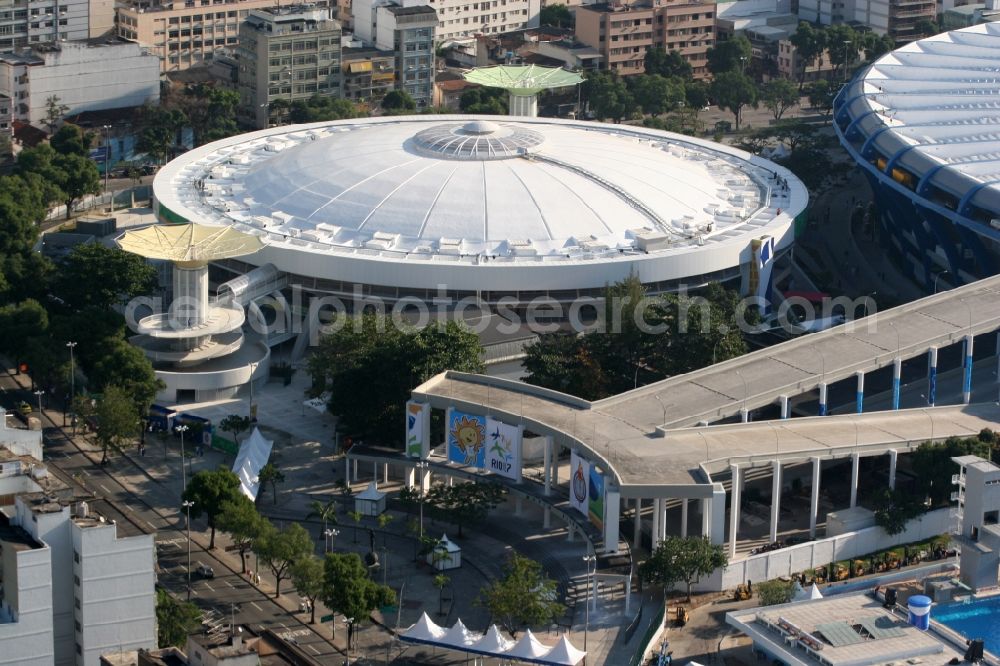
[[228, 596]]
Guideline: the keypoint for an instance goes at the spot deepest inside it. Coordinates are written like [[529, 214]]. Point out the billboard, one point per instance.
[[418, 429], [579, 481], [466, 438], [503, 449], [595, 498]]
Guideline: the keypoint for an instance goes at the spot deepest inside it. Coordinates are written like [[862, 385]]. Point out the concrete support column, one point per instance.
[[547, 517], [734, 509], [663, 521], [967, 378], [785, 406], [897, 373], [385, 473], [932, 376], [718, 536], [555, 464], [612, 515], [775, 498], [684, 518], [859, 394], [570, 528], [814, 499], [893, 454], [654, 535], [744, 415], [425, 480], [637, 524], [855, 467], [355, 470], [347, 469], [548, 465], [706, 517], [822, 399], [411, 475], [374, 470]]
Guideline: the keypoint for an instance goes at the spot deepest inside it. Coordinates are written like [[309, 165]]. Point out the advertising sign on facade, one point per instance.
[[579, 481], [503, 449], [418, 429], [466, 438], [595, 498]]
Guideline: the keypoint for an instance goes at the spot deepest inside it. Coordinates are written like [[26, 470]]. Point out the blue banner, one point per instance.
[[466, 439]]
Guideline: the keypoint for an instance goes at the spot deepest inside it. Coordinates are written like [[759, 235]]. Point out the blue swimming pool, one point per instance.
[[976, 619]]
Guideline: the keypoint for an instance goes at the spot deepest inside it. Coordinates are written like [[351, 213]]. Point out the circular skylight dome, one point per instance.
[[476, 140]]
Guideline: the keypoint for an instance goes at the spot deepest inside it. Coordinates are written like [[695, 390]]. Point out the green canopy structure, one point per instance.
[[523, 83]]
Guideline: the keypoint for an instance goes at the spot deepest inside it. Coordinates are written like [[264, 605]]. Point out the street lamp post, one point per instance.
[[187, 507], [937, 276], [349, 621], [588, 559], [330, 534], [420, 467], [184, 484], [107, 159], [39, 393], [746, 394], [72, 384]]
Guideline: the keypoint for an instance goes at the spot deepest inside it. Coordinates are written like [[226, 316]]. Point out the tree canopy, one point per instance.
[[398, 101], [682, 560], [321, 107], [211, 491], [71, 140], [485, 101], [464, 503], [117, 422], [97, 276], [775, 592], [280, 549], [523, 596], [556, 15], [309, 580], [666, 64], [349, 590], [731, 55], [734, 90], [370, 365], [175, 619], [238, 517], [809, 42], [779, 95], [607, 95], [158, 127], [211, 112], [657, 94]]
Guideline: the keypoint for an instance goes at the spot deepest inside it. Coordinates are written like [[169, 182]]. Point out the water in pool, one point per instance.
[[976, 619]]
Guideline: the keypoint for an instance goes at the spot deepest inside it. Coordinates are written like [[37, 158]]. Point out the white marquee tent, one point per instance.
[[253, 455], [493, 643]]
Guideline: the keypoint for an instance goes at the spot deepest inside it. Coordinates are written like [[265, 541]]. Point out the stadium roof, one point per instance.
[[932, 107], [189, 242], [523, 79]]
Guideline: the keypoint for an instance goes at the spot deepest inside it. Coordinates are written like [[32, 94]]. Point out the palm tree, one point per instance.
[[356, 516], [327, 512], [383, 520], [440, 581]]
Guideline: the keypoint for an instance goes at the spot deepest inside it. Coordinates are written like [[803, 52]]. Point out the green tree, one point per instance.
[[775, 592], [271, 474], [733, 91], [100, 277], [894, 509], [465, 503], [71, 140], [116, 420], [309, 579], [235, 424], [779, 95], [356, 516], [211, 112], [563, 362], [440, 582], [696, 93], [926, 28], [682, 560], [842, 43], [607, 95], [321, 107], [657, 94], [211, 491], [157, 130], [117, 362], [932, 466], [54, 111], [80, 178], [809, 42], [175, 619], [821, 95], [280, 549], [19, 324], [666, 64], [239, 518], [398, 101], [325, 511], [730, 56], [370, 365], [556, 15], [349, 590], [876, 45], [24, 200], [484, 101], [523, 596]]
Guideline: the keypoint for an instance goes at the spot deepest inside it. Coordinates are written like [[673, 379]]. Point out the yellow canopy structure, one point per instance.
[[187, 243]]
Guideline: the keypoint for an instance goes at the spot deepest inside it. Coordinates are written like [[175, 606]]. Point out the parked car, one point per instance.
[[205, 571]]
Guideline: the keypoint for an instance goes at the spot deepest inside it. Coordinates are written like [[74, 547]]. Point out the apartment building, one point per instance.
[[896, 18], [459, 19], [72, 586], [185, 33], [6, 118], [84, 76], [623, 33], [286, 53], [790, 64], [409, 30], [24, 23], [368, 74]]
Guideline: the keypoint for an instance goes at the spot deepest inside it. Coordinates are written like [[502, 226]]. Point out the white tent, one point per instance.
[[370, 501], [528, 648], [446, 555], [800, 594], [253, 455], [459, 637], [564, 653], [492, 643], [814, 592], [424, 631]]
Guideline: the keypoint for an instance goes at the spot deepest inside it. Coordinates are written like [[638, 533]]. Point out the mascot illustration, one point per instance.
[[469, 436]]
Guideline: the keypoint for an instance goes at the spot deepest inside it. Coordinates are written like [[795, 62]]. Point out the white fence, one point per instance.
[[799, 558]]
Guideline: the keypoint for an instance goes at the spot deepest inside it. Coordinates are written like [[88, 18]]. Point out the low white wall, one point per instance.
[[796, 559]]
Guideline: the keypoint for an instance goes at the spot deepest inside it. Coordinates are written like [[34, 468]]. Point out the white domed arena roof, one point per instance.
[[417, 200]]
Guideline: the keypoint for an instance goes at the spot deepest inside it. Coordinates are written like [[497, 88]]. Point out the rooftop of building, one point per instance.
[[363, 52], [396, 10], [841, 630], [15, 537], [223, 646]]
